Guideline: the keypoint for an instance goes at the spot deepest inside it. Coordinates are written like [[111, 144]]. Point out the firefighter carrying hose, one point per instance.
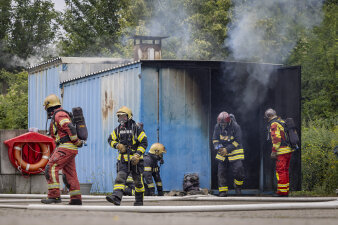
[[281, 152], [64, 133], [131, 142], [227, 141], [151, 169]]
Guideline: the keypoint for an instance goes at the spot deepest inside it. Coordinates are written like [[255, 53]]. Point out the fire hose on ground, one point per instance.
[[282, 204]]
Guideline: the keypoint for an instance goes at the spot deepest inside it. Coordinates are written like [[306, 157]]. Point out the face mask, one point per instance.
[[122, 119]]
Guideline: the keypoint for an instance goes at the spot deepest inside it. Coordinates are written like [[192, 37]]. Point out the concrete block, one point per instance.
[[22, 184], [38, 184], [5, 165], [7, 184]]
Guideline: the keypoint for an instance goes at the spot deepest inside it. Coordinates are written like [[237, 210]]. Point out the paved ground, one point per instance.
[[265, 217]]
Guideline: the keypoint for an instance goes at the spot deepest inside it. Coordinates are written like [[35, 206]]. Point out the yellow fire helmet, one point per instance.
[[157, 149], [125, 110], [51, 101]]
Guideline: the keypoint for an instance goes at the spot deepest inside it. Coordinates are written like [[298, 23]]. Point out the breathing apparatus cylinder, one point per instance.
[[79, 121]]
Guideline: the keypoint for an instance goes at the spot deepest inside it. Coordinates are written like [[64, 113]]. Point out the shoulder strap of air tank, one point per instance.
[[53, 117]]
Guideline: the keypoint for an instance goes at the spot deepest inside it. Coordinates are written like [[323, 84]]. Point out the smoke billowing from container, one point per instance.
[[267, 31]]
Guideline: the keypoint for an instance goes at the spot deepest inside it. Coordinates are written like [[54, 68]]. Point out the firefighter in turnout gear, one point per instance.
[[281, 152], [151, 169], [131, 142], [227, 141], [64, 133]]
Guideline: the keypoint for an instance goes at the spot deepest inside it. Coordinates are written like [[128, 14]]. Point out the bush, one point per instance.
[[319, 162], [14, 104]]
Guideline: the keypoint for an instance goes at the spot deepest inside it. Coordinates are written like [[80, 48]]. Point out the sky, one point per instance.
[[59, 4]]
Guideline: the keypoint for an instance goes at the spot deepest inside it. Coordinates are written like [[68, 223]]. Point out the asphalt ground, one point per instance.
[[12, 216]]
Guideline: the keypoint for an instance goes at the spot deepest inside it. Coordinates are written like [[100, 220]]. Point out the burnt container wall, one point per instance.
[[246, 90], [285, 97]]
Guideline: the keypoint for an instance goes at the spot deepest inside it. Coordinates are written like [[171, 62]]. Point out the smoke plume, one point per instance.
[[267, 30]]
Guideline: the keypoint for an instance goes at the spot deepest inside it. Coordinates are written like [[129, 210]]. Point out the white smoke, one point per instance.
[[41, 54], [170, 19], [268, 30]]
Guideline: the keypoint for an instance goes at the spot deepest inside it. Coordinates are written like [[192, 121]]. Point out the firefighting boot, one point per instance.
[[114, 199], [138, 199], [151, 191], [238, 190], [75, 202], [51, 200], [160, 193], [223, 194]]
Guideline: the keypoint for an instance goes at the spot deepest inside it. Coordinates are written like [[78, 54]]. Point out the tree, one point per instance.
[[27, 28], [93, 28], [5, 23], [208, 21], [14, 104], [33, 27], [317, 54]]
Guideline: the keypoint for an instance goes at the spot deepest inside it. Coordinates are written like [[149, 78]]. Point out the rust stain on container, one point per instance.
[[107, 106]]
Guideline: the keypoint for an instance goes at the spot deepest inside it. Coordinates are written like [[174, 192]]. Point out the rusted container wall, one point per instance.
[[100, 96]]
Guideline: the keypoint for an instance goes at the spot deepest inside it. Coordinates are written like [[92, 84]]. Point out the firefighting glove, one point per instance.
[[79, 143], [122, 148], [273, 155], [223, 152], [135, 159]]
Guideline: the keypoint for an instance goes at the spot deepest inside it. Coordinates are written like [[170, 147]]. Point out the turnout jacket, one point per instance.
[[278, 137], [151, 163], [229, 138], [61, 127], [132, 136]]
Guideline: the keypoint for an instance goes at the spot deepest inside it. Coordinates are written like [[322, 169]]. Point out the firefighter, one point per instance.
[[64, 133], [151, 169], [281, 152], [227, 141], [131, 142]]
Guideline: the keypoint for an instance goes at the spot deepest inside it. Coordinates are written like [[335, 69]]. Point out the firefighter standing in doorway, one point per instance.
[[227, 141], [151, 169], [64, 133], [281, 152], [131, 142]]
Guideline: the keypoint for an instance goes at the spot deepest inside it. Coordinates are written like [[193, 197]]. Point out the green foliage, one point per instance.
[[27, 29], [319, 163], [14, 104], [93, 28], [317, 54]]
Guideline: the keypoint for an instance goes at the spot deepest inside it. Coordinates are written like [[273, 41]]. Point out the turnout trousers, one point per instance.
[[237, 169], [62, 159], [121, 178], [282, 173], [150, 186]]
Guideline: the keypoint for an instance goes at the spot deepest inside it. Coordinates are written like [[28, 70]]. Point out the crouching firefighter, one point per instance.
[[63, 131], [227, 140], [131, 142], [151, 169]]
